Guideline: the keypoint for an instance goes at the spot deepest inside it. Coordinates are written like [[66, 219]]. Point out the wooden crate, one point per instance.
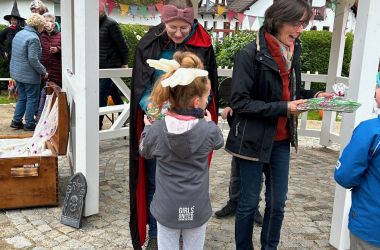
[[33, 181]]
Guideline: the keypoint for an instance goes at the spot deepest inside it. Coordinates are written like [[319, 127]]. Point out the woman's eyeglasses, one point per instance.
[[183, 30], [300, 24]]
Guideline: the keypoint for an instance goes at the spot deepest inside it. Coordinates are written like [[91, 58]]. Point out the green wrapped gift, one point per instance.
[[335, 103]]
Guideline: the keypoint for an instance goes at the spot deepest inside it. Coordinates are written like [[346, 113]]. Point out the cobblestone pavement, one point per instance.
[[306, 225]]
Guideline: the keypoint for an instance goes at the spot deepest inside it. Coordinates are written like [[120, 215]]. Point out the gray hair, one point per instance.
[[47, 14]]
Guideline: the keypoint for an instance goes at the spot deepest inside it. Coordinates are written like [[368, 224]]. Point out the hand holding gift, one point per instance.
[[334, 102]]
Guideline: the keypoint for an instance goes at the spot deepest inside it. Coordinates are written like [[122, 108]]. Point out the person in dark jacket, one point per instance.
[[27, 70], [51, 56], [7, 35], [113, 53], [265, 93], [179, 31]]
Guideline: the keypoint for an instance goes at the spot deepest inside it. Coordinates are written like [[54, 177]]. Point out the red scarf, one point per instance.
[[274, 47]]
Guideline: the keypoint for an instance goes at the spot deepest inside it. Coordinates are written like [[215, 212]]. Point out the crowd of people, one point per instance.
[[33, 50], [174, 114]]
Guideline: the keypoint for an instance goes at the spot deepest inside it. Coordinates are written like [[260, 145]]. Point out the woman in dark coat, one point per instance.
[[265, 93], [7, 35], [178, 32]]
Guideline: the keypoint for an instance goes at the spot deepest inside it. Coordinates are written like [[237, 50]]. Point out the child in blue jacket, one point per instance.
[[358, 169]]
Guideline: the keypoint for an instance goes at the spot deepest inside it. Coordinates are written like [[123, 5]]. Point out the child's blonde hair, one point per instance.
[[181, 96]]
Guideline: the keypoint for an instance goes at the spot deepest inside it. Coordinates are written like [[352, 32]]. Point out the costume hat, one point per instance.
[[14, 13]]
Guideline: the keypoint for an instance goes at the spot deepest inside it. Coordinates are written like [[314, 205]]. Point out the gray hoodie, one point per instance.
[[181, 199]]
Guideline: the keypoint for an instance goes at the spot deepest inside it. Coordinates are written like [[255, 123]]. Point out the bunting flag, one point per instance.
[[159, 7], [241, 17], [230, 15], [261, 21], [152, 10], [133, 10], [143, 10], [220, 10], [251, 21], [102, 2], [110, 6], [208, 5], [124, 8]]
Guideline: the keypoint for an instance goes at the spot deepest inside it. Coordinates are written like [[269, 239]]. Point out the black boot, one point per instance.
[[17, 125], [227, 210]]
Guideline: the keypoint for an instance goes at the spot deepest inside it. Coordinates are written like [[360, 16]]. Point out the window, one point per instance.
[[205, 25]]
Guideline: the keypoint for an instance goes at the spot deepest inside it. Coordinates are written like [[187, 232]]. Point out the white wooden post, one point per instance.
[[365, 58], [335, 64], [80, 68]]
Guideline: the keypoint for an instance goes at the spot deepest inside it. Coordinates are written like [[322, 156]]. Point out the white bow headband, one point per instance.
[[181, 76]]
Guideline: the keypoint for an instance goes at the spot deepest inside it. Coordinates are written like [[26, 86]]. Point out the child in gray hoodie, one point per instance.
[[180, 143]]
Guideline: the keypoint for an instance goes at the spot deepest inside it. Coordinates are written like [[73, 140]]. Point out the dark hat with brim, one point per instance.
[[15, 13]]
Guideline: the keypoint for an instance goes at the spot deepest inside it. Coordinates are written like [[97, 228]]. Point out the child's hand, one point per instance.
[[227, 111], [208, 116], [146, 120]]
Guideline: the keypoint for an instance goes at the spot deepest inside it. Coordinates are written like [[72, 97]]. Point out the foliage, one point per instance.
[[133, 33], [4, 70], [225, 50], [315, 51]]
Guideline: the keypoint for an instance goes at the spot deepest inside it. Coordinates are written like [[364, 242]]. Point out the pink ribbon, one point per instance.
[[170, 13]]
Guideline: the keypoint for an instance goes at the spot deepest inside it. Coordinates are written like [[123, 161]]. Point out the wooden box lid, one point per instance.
[[61, 136]]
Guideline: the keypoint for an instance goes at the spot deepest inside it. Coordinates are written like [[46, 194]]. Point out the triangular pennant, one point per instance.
[[220, 10], [124, 8], [230, 15], [143, 10], [133, 10], [159, 7], [251, 20], [208, 5], [152, 10], [110, 6], [241, 17]]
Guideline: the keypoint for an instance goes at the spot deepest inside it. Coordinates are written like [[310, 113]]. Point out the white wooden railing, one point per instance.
[[118, 130]]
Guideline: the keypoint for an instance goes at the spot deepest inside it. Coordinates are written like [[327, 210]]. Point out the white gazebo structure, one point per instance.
[[80, 65]]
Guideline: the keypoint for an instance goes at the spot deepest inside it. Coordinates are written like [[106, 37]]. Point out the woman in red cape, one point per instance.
[[179, 31]]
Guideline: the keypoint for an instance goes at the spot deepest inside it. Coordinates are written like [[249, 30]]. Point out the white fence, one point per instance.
[[117, 129]]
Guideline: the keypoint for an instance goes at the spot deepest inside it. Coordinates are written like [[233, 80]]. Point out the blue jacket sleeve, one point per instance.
[[34, 50], [353, 163]]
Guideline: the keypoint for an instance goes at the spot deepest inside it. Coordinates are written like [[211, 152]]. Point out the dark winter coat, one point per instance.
[[6, 38], [150, 47], [113, 49], [257, 100], [52, 61]]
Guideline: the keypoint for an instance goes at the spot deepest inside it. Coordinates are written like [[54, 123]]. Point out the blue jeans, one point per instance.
[[234, 188], [151, 172], [276, 184], [27, 103]]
